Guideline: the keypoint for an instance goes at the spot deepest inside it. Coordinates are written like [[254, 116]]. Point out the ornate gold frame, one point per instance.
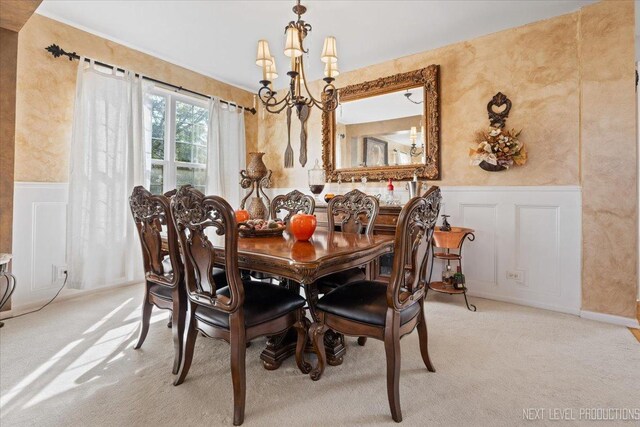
[[429, 78]]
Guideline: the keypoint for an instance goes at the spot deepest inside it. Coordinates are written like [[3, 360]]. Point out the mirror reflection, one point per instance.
[[383, 130]]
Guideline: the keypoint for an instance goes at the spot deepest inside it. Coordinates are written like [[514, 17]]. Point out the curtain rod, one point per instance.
[[57, 52]]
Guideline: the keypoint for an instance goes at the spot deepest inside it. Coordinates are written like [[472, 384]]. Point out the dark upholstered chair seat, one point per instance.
[[328, 283], [161, 291], [364, 301], [262, 302]]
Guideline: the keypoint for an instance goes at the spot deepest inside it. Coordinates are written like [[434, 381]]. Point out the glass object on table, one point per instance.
[[317, 180]]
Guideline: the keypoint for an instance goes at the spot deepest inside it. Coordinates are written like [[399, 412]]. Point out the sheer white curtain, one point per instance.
[[108, 158], [226, 154]]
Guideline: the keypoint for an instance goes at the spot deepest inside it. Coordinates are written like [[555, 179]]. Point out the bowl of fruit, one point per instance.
[[261, 228]]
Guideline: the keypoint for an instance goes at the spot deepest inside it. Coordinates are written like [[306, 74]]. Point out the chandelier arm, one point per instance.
[[272, 103], [277, 110], [314, 101], [269, 101]]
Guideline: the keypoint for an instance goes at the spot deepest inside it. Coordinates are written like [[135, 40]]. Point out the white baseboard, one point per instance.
[[65, 295], [610, 318], [523, 302]]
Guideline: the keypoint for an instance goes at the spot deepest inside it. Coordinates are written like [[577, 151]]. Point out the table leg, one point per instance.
[[334, 347], [333, 341], [281, 346]]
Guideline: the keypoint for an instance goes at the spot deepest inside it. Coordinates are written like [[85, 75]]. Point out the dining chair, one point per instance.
[[240, 310], [163, 271], [353, 212], [386, 311], [292, 203]]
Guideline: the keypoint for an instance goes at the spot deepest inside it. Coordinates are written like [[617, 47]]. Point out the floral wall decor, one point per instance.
[[497, 148]]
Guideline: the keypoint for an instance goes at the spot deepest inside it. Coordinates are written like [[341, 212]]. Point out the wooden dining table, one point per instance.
[[302, 263]]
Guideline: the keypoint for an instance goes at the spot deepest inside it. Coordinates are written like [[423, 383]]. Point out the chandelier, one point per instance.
[[295, 33], [413, 136]]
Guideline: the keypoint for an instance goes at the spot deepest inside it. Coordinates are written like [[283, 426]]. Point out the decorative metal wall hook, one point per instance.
[[498, 118], [498, 148]]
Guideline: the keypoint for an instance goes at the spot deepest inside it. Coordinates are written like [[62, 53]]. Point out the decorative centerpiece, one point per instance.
[[258, 177], [498, 149], [261, 228]]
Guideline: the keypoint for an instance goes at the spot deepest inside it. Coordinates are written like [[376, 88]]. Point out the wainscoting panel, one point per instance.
[[528, 242], [480, 256], [39, 228], [527, 248], [538, 247], [49, 221]]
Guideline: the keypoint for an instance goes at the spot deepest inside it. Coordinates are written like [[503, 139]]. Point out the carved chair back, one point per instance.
[[152, 216], [292, 203], [353, 212], [196, 216], [416, 224]]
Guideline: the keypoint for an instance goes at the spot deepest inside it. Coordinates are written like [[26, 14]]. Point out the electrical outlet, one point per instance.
[[59, 272], [516, 275]]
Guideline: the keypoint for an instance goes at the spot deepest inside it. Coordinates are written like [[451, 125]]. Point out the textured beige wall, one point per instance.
[[536, 66], [571, 81], [46, 90], [14, 13], [609, 159], [8, 56]]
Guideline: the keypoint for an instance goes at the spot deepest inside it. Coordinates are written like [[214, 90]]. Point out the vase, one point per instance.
[[257, 209], [256, 169]]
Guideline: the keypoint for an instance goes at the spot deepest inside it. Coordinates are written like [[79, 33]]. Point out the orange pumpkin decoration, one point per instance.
[[303, 226], [242, 216]]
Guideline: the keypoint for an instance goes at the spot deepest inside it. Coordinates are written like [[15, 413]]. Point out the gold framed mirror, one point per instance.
[[385, 128]]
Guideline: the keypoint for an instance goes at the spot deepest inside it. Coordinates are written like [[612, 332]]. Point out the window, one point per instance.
[[178, 141]]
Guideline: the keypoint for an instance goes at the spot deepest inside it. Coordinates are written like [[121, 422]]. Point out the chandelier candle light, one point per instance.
[[295, 33]]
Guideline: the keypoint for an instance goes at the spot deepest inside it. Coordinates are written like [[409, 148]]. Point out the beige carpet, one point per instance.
[[73, 365]]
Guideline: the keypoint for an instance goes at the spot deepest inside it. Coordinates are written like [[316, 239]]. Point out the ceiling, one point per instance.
[[218, 38]]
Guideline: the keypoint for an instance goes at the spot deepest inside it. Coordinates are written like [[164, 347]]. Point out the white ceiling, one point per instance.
[[218, 38]]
